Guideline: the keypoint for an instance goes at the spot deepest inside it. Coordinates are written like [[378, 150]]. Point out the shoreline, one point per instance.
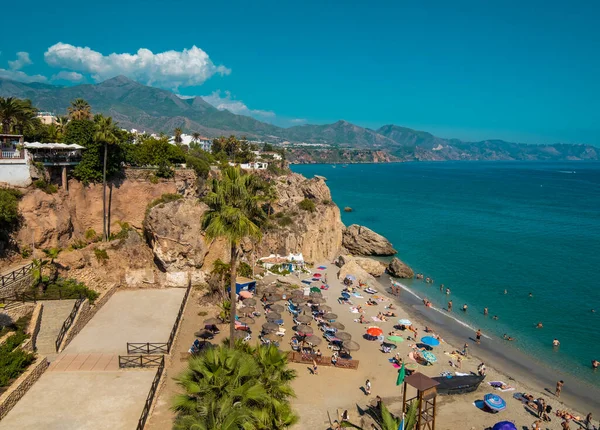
[[577, 394]]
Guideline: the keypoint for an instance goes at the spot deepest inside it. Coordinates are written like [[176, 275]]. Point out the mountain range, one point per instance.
[[134, 105]]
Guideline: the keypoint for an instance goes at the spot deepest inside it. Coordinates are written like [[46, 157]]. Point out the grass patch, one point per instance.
[[13, 360], [165, 198], [101, 255], [66, 289], [285, 220], [45, 186]]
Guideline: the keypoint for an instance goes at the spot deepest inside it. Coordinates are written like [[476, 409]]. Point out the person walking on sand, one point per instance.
[[450, 306], [315, 368], [368, 387], [588, 422], [478, 336], [559, 386]]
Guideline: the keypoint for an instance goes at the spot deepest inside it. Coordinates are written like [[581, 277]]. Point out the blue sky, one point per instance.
[[524, 71]]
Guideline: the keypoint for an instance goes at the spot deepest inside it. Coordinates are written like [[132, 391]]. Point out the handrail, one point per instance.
[[151, 394], [68, 323], [15, 275]]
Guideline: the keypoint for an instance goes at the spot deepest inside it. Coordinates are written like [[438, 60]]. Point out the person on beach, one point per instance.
[[465, 350], [537, 425], [485, 311], [345, 415], [481, 369], [478, 336], [565, 425], [555, 342], [315, 368], [559, 386], [368, 387], [541, 407], [334, 358], [464, 308], [530, 294], [588, 422], [450, 306]]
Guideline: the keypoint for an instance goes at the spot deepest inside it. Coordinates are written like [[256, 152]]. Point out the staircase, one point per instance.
[[53, 316]]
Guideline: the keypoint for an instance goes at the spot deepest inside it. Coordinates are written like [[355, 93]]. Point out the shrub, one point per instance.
[[67, 289], [284, 221], [45, 186], [326, 202], [200, 166], [26, 252], [9, 206], [165, 198], [101, 255], [91, 235], [154, 179], [165, 171], [125, 229], [245, 270], [13, 360], [307, 205]]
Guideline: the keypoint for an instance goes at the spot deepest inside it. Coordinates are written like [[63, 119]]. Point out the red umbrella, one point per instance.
[[317, 275], [375, 331]]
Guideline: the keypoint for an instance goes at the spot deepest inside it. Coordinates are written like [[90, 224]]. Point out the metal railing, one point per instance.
[[12, 155], [161, 347], [68, 323], [128, 361], [16, 275], [151, 394], [147, 348]]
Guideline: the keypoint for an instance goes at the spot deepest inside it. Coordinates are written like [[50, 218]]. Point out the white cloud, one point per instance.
[[182, 97], [17, 75], [236, 106], [170, 69], [298, 120], [63, 75], [21, 61]]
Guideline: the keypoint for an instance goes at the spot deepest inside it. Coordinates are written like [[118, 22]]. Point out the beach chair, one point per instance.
[[280, 332]]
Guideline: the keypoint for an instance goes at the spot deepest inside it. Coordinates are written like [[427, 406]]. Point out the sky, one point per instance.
[[525, 71]]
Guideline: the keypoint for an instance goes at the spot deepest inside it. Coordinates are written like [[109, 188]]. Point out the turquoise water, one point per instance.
[[483, 227]]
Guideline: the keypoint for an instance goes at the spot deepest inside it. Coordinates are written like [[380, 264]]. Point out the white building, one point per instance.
[[46, 118], [254, 165], [187, 139]]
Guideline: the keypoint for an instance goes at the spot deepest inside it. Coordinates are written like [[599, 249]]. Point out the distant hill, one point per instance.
[[138, 106]]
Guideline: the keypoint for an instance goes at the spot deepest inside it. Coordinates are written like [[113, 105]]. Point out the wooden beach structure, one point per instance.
[[426, 396]]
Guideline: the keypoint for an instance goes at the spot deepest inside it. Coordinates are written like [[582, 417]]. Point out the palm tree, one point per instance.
[[234, 213], [10, 108], [80, 109], [52, 253], [222, 388], [25, 118], [387, 421], [104, 133], [196, 137], [61, 124], [178, 133]]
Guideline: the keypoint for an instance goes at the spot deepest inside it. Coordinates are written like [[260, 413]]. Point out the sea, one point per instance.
[[520, 238]]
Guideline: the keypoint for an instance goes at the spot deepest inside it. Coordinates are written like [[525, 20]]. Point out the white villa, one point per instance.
[[290, 262]]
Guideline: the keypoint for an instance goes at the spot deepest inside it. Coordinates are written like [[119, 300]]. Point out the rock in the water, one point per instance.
[[348, 209], [360, 240], [398, 269]]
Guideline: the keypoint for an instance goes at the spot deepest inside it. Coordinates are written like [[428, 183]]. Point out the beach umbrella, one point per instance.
[[504, 425], [317, 275], [351, 277], [330, 316], [245, 294], [315, 290], [494, 402], [342, 335], [325, 308], [274, 297], [295, 293], [336, 325], [345, 295], [276, 308], [315, 295], [314, 341], [204, 334], [272, 337], [374, 331], [322, 267], [211, 321], [430, 341], [404, 322], [273, 316], [304, 329], [248, 309], [317, 300], [303, 319], [411, 366], [429, 356], [246, 320], [269, 326], [250, 302], [395, 339], [350, 345]]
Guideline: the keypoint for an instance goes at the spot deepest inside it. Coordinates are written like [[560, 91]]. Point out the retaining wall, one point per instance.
[[19, 387], [34, 328]]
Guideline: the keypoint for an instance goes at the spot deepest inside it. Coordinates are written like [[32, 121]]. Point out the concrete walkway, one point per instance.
[[53, 317]]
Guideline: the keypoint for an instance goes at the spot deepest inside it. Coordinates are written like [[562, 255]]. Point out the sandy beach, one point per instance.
[[323, 397]]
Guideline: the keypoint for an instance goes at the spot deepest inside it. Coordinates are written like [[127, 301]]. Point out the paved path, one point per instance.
[[93, 362], [53, 317]]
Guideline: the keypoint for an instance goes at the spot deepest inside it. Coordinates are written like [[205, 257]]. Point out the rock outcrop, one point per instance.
[[174, 231], [353, 268], [361, 240], [398, 269], [372, 267]]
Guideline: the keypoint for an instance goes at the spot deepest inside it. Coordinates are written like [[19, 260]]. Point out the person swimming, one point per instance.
[[555, 342], [464, 308], [495, 317], [539, 325], [507, 337]]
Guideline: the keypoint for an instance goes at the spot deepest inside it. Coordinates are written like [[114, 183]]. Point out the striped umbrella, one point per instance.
[[494, 402], [429, 356]]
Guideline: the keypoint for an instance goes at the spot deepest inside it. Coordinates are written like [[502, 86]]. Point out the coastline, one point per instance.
[[507, 360]]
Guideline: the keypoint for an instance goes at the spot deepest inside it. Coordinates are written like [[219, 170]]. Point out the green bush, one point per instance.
[[307, 205], [101, 255], [26, 252], [66, 289], [165, 171], [284, 221], [9, 206], [245, 270], [91, 235], [124, 233], [13, 361], [326, 202], [200, 166], [42, 184], [78, 244], [165, 198]]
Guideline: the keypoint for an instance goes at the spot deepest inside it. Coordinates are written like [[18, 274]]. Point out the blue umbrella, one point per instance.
[[345, 295], [494, 402], [430, 341], [504, 425], [429, 356]]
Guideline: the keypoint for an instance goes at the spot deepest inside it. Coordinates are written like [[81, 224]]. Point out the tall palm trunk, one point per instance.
[[232, 295], [104, 229]]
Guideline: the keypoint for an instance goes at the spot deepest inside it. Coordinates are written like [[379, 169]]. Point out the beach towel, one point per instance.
[[358, 295], [396, 366], [461, 374], [354, 310], [322, 267], [376, 319], [498, 386], [306, 282]]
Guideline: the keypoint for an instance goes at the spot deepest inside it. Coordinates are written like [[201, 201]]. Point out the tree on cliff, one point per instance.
[[234, 213], [80, 109], [104, 133]]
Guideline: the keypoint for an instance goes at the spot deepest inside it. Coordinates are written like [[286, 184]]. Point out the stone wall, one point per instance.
[[34, 328], [19, 387], [14, 311], [85, 314], [17, 286], [14, 172]]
